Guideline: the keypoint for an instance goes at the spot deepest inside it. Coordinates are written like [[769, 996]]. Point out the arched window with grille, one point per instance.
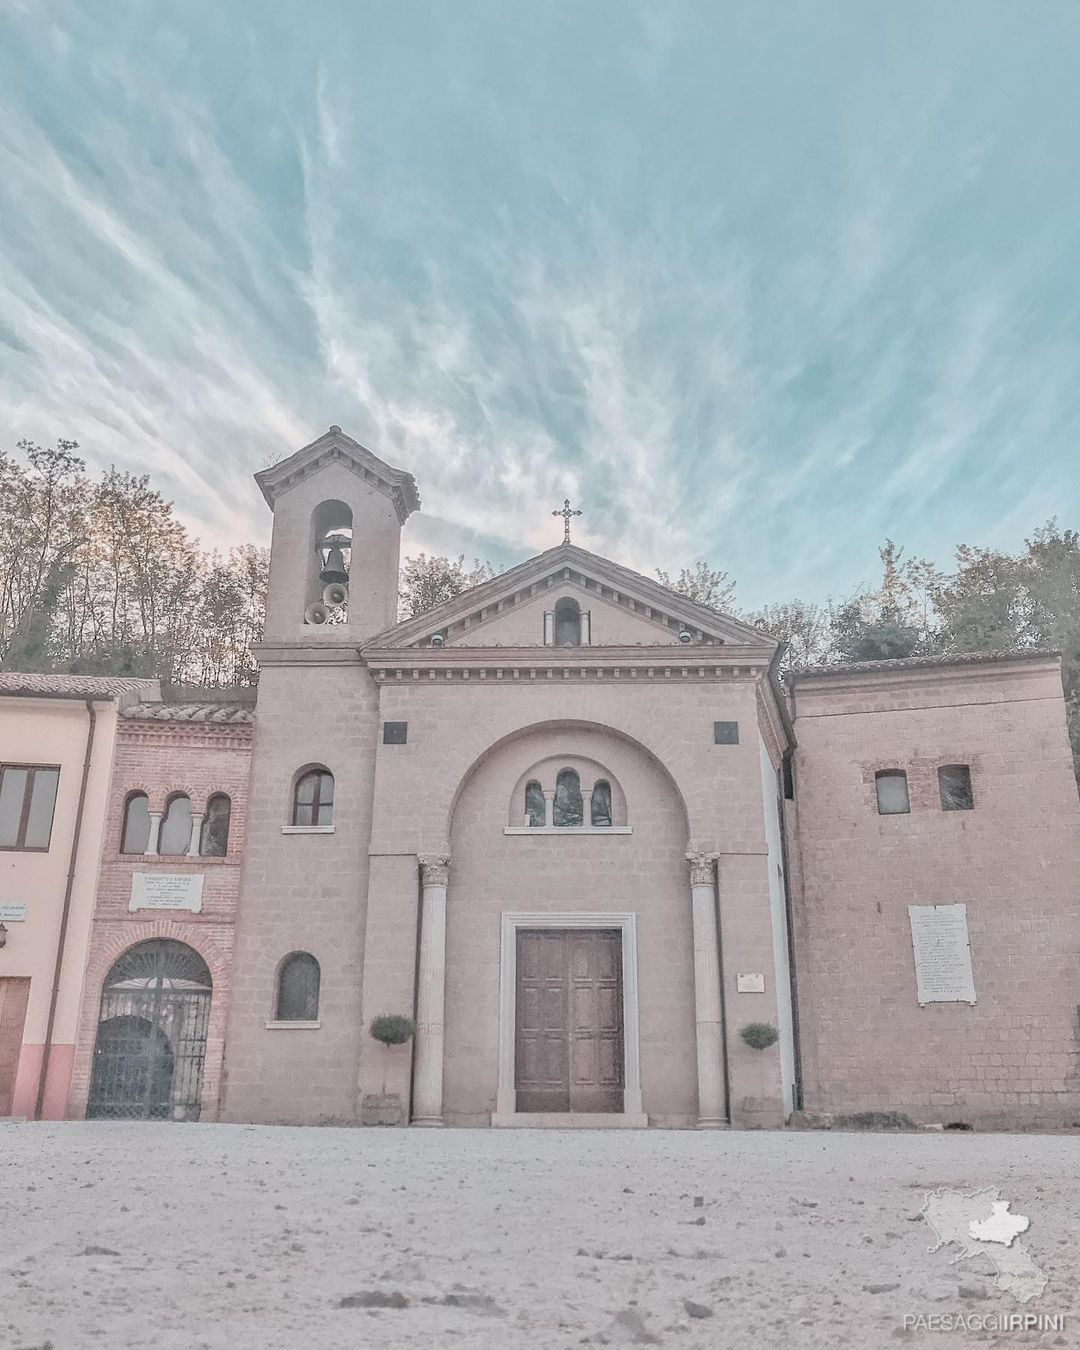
[[567, 808], [136, 832], [535, 810], [214, 835], [600, 804], [175, 835], [298, 989], [313, 798]]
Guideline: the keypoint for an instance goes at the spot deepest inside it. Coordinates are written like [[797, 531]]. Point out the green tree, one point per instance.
[[427, 581], [894, 621], [802, 628], [702, 584], [99, 576], [983, 605], [863, 631], [1051, 571]]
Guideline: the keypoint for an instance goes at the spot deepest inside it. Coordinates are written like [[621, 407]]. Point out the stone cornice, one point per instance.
[[218, 736], [307, 654], [771, 723], [529, 664], [924, 677], [334, 446], [912, 665], [594, 576]]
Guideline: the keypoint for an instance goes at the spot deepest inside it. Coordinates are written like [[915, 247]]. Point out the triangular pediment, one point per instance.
[[639, 611], [335, 447]]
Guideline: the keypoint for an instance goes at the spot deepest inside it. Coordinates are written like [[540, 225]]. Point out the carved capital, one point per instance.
[[701, 868], [434, 869]]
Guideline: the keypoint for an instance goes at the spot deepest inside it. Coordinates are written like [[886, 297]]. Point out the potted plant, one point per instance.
[[388, 1029]]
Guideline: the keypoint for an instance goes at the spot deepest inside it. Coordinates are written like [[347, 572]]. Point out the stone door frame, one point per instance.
[[506, 1113]]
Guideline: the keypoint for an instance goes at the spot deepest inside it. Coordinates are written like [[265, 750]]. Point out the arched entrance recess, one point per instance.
[[151, 1038], [567, 952]]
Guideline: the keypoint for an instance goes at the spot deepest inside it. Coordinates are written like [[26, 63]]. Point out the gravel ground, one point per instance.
[[229, 1237]]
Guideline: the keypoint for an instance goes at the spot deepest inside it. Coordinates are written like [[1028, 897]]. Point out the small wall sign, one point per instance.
[[166, 890], [10, 913], [750, 984]]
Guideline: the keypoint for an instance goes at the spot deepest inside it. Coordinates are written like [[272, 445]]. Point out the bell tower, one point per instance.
[[335, 551]]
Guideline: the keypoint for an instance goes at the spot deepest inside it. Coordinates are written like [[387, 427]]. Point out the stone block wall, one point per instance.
[[1012, 1058], [304, 893]]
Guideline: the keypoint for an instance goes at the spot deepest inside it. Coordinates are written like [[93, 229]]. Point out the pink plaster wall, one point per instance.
[[665, 719], [644, 872], [522, 625]]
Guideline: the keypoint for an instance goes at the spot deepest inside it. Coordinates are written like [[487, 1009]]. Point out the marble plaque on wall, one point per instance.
[[939, 939], [166, 890]]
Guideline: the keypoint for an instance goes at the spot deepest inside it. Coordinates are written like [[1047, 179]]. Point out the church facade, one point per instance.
[[571, 824]]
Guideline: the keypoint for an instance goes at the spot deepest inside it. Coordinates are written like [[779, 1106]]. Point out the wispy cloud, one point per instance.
[[755, 293]]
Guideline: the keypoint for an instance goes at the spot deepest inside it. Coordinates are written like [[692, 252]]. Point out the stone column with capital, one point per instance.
[[708, 1006], [195, 843], [430, 992], [152, 837]]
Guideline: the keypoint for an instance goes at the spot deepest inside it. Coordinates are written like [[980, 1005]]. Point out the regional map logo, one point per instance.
[[979, 1223]]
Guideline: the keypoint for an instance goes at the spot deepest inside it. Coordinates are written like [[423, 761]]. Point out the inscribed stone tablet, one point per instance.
[[939, 939], [166, 890]]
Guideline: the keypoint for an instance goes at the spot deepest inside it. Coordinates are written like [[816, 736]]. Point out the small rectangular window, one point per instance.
[[27, 803], [395, 733], [725, 733], [954, 787], [892, 793]]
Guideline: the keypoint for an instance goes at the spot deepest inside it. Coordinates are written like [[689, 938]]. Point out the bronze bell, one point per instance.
[[334, 567]]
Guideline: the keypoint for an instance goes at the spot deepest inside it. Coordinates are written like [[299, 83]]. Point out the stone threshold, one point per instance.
[[569, 1120]]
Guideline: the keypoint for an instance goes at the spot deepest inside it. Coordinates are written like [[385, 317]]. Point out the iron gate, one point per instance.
[[151, 1038]]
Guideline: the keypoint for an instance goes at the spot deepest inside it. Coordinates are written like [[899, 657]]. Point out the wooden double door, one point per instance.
[[569, 1020]]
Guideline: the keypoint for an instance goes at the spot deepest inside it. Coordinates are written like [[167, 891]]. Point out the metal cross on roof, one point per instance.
[[567, 516]]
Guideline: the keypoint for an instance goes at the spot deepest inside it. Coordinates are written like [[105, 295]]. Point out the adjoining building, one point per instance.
[[156, 985], [57, 740], [936, 820]]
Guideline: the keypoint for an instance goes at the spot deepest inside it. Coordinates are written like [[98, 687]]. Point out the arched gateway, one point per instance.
[[151, 1038]]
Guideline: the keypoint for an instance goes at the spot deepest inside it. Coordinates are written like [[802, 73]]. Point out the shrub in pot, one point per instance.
[[388, 1029], [393, 1028], [759, 1035]]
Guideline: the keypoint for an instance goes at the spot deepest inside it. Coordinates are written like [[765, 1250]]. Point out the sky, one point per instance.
[[759, 282]]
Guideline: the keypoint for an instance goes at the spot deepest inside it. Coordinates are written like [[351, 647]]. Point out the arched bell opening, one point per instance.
[[328, 587]]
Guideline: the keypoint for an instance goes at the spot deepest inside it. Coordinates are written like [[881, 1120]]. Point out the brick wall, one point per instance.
[[160, 758]]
